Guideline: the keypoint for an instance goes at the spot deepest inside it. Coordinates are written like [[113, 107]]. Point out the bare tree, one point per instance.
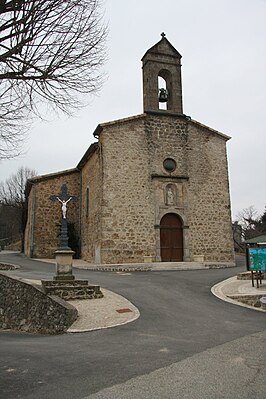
[[13, 201], [238, 236], [51, 52], [248, 219], [10, 225], [12, 191], [14, 122]]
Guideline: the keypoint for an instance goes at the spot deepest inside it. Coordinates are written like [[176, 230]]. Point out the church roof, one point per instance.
[[198, 124], [52, 175], [37, 179], [101, 126], [92, 148], [163, 47]]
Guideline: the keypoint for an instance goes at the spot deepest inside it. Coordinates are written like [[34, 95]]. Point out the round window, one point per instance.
[[169, 164]]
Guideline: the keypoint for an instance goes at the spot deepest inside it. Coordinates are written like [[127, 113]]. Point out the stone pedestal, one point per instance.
[[64, 284], [64, 261]]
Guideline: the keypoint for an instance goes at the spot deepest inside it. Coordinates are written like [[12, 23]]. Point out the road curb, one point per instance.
[[112, 310], [217, 290]]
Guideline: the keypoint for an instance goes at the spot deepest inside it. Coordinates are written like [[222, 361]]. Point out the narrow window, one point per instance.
[[87, 202]]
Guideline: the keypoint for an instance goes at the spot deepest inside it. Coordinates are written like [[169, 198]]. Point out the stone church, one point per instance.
[[153, 187]]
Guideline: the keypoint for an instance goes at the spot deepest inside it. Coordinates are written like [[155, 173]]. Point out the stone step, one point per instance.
[[177, 266], [146, 266], [76, 289], [156, 266], [60, 283]]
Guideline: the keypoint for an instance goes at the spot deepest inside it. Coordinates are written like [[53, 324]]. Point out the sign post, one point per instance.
[[256, 262]]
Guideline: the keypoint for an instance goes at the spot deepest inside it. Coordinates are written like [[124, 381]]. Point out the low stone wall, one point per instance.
[[219, 265], [247, 276], [14, 246], [251, 300], [8, 266], [26, 307]]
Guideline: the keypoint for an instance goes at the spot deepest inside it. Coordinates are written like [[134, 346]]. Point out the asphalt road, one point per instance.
[[186, 344]]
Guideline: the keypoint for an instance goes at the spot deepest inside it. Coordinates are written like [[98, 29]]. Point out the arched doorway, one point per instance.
[[171, 238]]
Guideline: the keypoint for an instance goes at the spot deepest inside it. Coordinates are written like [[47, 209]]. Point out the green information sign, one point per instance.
[[257, 259]]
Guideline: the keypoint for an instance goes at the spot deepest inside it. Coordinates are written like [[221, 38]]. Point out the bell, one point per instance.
[[163, 95]]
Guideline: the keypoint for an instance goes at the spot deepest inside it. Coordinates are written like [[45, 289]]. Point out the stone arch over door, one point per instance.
[[171, 238]]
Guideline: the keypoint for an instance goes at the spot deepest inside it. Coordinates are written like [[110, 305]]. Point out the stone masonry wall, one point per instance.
[[44, 216], [135, 184], [167, 138], [209, 216], [26, 308], [128, 203], [91, 207], [124, 193], [199, 182]]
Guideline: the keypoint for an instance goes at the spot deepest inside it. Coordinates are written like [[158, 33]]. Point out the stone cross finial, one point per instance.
[[163, 35]]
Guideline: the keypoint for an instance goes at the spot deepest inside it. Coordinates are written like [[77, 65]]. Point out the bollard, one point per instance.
[[263, 302]]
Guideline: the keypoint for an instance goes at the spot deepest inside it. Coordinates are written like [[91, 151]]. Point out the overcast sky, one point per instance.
[[223, 44]]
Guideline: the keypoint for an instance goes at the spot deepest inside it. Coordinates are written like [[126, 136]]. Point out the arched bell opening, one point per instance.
[[162, 93], [164, 89]]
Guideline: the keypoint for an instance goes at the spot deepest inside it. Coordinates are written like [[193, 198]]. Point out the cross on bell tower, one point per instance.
[[162, 61]]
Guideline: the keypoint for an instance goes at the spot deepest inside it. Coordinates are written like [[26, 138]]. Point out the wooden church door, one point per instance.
[[171, 238]]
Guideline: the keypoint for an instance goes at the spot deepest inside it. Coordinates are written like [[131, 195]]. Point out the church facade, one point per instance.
[[153, 187]]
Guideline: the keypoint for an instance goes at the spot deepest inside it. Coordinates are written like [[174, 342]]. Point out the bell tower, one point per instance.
[[162, 86]]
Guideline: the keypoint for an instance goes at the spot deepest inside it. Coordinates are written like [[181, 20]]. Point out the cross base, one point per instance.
[[64, 261], [64, 277]]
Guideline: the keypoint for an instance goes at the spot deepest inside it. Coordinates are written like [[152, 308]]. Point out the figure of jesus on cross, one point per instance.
[[64, 207]]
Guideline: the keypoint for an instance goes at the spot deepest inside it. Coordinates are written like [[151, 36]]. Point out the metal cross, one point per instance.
[[64, 198], [63, 195]]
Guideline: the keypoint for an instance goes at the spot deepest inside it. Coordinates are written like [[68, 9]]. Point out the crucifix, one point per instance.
[[64, 198]]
